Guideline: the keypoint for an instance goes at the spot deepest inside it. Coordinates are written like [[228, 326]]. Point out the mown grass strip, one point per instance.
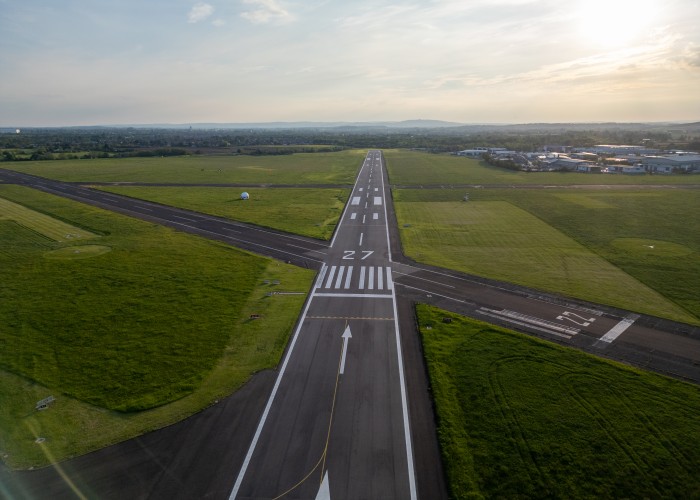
[[648, 233], [43, 224], [305, 211], [128, 340], [523, 418], [300, 168], [499, 240]]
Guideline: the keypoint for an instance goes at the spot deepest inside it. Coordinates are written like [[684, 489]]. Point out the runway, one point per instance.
[[348, 413]]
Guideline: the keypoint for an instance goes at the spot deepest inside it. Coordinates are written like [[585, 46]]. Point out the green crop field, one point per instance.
[[523, 418], [306, 211], [628, 241], [130, 339], [300, 168], [417, 168]]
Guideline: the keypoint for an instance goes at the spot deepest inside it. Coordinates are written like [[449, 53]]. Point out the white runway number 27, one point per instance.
[[350, 254]]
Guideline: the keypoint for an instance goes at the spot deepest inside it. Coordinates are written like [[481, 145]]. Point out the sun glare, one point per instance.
[[615, 23]]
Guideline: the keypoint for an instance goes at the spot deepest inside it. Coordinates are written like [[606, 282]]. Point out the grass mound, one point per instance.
[[77, 252], [132, 330], [136, 339], [647, 248], [523, 418]]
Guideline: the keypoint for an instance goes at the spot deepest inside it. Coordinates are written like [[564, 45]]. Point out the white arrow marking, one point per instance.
[[324, 492], [346, 337]]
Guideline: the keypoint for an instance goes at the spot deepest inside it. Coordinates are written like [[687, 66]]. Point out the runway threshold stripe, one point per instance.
[[321, 275], [339, 280], [348, 277], [618, 329], [330, 277]]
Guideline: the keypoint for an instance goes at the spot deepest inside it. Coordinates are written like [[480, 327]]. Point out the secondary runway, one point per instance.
[[348, 413]]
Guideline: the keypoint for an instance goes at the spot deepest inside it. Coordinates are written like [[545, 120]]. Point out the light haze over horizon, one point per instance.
[[96, 62]]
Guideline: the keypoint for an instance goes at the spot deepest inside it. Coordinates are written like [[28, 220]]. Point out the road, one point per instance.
[[348, 413]]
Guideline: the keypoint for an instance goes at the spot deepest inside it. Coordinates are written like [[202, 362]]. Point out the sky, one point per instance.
[[99, 62]]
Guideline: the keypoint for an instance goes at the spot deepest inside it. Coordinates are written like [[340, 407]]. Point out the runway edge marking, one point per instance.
[[399, 354], [263, 418]]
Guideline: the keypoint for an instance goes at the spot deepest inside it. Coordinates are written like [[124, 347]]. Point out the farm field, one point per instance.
[[127, 340], [306, 211], [299, 168], [609, 246], [520, 417], [417, 168]]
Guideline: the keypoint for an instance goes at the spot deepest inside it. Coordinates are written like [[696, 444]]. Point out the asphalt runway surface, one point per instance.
[[348, 413]]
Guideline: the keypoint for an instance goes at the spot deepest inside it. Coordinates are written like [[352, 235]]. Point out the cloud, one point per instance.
[[199, 12], [265, 11]]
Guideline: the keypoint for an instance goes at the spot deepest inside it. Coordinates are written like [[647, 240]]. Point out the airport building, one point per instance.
[[666, 164]]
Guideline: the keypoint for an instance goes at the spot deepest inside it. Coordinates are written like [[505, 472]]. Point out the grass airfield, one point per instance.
[[88, 309], [127, 340], [519, 417]]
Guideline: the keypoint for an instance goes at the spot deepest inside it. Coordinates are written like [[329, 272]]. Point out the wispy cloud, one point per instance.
[[265, 11], [199, 12]]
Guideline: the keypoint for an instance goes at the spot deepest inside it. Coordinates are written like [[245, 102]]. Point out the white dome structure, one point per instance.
[[244, 195]]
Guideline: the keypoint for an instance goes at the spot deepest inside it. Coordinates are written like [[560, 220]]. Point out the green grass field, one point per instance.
[[608, 246], [300, 168], [524, 418], [417, 168], [306, 211], [128, 340]]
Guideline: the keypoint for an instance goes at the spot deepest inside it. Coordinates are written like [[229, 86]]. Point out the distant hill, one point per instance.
[[307, 124]]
